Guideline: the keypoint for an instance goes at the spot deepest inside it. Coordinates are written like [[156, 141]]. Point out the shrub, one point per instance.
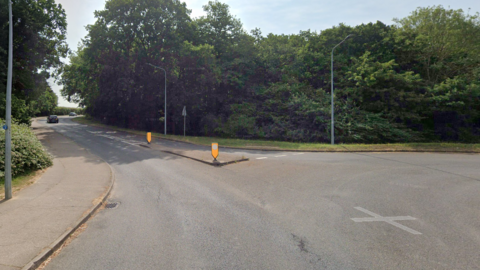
[[27, 151]]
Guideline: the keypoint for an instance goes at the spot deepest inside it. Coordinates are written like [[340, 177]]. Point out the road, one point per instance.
[[280, 210]]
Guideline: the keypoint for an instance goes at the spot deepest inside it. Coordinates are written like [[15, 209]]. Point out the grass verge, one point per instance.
[[21, 181], [294, 146]]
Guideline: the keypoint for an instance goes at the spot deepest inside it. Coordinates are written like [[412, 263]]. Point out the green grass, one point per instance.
[[19, 182], [295, 146]]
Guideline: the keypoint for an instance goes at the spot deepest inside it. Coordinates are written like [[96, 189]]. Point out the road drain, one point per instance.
[[111, 205]]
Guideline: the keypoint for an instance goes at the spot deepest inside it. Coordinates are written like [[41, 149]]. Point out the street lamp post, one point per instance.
[[8, 111], [165, 129], [332, 137]]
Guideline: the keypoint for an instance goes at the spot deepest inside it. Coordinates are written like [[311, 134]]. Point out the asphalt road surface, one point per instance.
[[280, 210]]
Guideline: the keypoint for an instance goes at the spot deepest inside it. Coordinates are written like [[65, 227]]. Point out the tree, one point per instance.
[[444, 42], [38, 46]]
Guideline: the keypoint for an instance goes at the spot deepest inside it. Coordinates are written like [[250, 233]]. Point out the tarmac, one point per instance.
[[40, 217]]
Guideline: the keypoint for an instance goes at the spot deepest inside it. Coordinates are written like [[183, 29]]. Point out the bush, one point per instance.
[[27, 151], [353, 125]]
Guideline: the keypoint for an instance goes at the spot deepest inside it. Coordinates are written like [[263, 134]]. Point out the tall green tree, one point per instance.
[[39, 43], [416, 80], [443, 42]]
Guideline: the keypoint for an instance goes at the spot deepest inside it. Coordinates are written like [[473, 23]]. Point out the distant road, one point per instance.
[[280, 210]]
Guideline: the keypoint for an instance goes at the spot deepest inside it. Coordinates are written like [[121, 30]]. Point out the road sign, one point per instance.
[[184, 112], [5, 127], [215, 150], [149, 137]]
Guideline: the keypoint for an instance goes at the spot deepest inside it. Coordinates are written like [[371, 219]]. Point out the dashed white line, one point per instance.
[[281, 156], [298, 154], [261, 157]]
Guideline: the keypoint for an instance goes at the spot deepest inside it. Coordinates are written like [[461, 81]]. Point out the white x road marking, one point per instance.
[[389, 220]]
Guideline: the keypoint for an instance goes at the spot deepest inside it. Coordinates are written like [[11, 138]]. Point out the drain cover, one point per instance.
[[111, 205]]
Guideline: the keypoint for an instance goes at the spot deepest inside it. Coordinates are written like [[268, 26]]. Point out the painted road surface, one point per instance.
[[280, 210]]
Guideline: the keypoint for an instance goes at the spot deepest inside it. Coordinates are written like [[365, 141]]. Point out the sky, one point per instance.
[[273, 16]]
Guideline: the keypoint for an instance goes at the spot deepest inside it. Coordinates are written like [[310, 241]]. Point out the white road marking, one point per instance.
[[117, 139], [298, 154], [261, 157], [281, 156], [94, 132], [389, 220]]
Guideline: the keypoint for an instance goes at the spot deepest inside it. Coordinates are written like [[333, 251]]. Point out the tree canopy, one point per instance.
[[39, 34], [416, 80]]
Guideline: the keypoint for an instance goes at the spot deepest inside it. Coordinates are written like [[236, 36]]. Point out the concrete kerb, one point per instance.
[[327, 151], [215, 164], [48, 251], [310, 150]]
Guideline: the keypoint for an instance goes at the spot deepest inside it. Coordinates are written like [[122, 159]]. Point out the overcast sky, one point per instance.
[[275, 16]]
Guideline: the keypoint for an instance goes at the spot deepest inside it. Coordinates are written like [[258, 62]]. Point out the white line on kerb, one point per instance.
[[261, 157], [281, 156], [389, 220]]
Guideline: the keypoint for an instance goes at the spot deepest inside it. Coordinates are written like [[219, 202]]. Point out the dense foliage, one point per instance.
[[417, 80], [27, 152], [67, 110], [39, 29]]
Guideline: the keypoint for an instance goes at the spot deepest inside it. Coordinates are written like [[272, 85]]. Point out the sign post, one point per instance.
[[149, 137], [215, 151], [184, 114]]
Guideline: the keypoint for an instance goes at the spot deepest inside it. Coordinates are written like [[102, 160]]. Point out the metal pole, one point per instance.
[[8, 113], [165, 100], [184, 118], [165, 126], [332, 136]]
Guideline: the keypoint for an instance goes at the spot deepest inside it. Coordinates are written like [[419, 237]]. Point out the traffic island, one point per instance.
[[199, 155]]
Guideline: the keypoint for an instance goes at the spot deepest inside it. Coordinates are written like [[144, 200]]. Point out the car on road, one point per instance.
[[52, 119], [72, 114]]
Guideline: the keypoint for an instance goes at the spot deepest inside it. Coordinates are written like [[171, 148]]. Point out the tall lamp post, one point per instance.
[[8, 111], [332, 137], [165, 129]]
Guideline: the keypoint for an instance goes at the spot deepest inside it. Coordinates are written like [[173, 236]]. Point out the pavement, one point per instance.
[[40, 217]]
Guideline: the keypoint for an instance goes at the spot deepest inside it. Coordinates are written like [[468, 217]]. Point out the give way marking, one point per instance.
[[389, 220]]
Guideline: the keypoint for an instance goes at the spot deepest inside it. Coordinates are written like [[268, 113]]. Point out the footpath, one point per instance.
[[40, 217]]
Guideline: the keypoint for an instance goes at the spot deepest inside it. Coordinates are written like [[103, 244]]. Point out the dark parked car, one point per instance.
[[52, 119], [72, 114]]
